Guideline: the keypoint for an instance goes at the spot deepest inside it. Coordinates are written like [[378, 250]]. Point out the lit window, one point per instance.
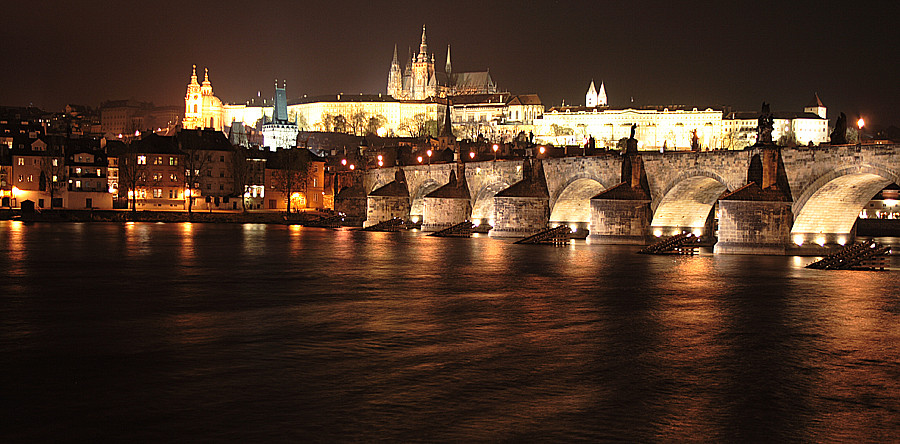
[[142, 160], [157, 192], [21, 161], [55, 162], [77, 170]]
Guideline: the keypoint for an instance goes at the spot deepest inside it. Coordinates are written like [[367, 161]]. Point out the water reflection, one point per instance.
[[323, 335]]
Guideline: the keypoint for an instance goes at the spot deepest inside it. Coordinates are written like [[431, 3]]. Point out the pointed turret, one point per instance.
[[590, 99], [447, 66], [601, 96], [447, 129]]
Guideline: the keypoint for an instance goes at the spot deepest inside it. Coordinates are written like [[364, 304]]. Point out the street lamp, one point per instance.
[[419, 159], [860, 124], [471, 154], [495, 148], [429, 156]]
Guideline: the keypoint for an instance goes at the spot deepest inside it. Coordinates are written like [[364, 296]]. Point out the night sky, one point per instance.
[[736, 53]]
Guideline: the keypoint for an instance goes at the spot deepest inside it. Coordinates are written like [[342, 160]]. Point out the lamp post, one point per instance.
[[429, 156], [495, 148], [859, 135]]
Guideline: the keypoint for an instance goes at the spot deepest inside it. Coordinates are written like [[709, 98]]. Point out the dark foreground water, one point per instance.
[[253, 333]]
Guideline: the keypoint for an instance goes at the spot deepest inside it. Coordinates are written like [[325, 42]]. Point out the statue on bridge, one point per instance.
[[839, 135], [631, 145], [765, 126]]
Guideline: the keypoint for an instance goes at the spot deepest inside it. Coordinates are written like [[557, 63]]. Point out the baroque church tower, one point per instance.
[[201, 108]]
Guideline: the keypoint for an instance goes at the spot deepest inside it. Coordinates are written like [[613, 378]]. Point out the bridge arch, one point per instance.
[[483, 200], [417, 196], [573, 202], [686, 203], [828, 207]]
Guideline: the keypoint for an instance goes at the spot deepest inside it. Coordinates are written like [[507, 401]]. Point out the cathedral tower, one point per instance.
[[395, 78], [201, 108], [601, 96]]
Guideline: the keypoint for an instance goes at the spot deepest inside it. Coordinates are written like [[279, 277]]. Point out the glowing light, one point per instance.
[[471, 154], [860, 123], [419, 159], [344, 162], [381, 132], [137, 133], [542, 150], [428, 153], [415, 219], [380, 157], [16, 191], [495, 147], [697, 232], [798, 239], [573, 228], [657, 233], [352, 167], [476, 223], [187, 193], [491, 222], [821, 241], [890, 202], [842, 240], [380, 162]]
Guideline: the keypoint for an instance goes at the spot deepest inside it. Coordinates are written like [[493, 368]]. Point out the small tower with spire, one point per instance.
[[590, 99], [601, 96], [447, 67], [395, 77]]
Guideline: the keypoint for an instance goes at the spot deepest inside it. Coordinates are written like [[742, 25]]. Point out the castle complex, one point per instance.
[[417, 95], [420, 80]]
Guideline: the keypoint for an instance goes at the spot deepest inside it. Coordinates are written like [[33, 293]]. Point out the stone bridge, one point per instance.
[[828, 186]]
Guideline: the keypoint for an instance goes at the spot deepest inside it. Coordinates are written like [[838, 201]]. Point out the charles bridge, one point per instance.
[[764, 200]]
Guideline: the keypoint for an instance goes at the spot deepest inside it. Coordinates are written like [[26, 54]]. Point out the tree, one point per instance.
[[327, 122], [358, 121], [415, 126], [374, 123], [132, 173], [341, 125], [240, 171], [195, 164], [561, 130], [290, 173], [54, 174]]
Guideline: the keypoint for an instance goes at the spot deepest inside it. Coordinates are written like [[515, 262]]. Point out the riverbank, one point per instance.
[[163, 216]]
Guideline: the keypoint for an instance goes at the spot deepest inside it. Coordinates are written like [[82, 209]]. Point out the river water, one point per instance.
[[265, 333]]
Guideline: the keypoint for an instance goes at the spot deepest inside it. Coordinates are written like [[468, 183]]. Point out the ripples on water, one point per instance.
[[180, 332]]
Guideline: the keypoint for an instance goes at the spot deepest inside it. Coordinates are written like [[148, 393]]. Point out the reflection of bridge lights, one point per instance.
[[798, 239], [821, 241], [657, 233]]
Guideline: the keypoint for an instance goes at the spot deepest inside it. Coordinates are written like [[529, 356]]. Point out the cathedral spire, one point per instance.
[[423, 48], [395, 61], [447, 66]]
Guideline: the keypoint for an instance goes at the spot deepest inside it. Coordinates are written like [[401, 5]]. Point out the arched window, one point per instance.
[[195, 108], [211, 123]]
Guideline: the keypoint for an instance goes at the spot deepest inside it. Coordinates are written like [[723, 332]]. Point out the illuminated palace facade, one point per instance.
[[674, 129]]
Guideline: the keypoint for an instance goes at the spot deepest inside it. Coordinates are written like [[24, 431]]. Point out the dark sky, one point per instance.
[[736, 53]]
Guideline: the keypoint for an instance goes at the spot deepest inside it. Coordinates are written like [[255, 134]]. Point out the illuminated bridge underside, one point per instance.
[[417, 202], [688, 204], [483, 208], [833, 209], [574, 203]]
